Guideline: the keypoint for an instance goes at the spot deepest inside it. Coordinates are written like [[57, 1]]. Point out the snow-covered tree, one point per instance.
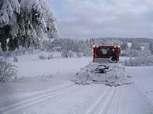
[[25, 22], [8, 11]]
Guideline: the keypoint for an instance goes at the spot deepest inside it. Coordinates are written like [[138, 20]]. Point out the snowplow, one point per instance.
[[103, 53], [105, 67]]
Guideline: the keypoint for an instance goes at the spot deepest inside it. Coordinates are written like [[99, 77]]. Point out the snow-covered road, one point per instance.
[[58, 95], [79, 99]]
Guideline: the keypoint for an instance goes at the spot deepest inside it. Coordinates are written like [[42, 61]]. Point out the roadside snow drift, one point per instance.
[[109, 74]]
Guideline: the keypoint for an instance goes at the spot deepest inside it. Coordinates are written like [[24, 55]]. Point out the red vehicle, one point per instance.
[[103, 53]]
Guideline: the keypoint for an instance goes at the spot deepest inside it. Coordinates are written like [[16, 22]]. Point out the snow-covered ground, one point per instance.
[[54, 67], [39, 64], [44, 87], [143, 78]]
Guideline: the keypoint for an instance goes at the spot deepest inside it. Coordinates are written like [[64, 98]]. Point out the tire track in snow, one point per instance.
[[126, 94], [102, 102], [122, 104], [93, 107], [105, 105], [40, 97], [114, 106]]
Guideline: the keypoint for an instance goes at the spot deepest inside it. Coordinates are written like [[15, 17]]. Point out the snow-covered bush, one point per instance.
[[140, 61], [7, 71], [50, 57], [15, 59], [66, 54], [44, 56], [131, 52]]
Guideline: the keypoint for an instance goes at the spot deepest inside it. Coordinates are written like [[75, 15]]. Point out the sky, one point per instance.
[[103, 18]]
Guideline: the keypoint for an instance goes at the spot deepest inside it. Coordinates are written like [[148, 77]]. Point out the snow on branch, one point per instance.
[[8, 8], [30, 22]]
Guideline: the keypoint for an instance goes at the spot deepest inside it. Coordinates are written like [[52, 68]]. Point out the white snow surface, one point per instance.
[[56, 67], [56, 94], [143, 78]]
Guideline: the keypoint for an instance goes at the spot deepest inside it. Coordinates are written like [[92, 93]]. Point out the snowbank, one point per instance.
[[108, 74]]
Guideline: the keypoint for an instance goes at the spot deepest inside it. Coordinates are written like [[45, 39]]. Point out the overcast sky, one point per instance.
[[103, 18]]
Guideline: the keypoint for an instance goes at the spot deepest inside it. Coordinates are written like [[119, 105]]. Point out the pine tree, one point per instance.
[[25, 23]]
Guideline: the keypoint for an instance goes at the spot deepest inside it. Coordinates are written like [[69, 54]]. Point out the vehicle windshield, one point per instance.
[[104, 51]]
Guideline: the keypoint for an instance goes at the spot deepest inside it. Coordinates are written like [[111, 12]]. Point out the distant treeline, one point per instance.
[[84, 46]]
